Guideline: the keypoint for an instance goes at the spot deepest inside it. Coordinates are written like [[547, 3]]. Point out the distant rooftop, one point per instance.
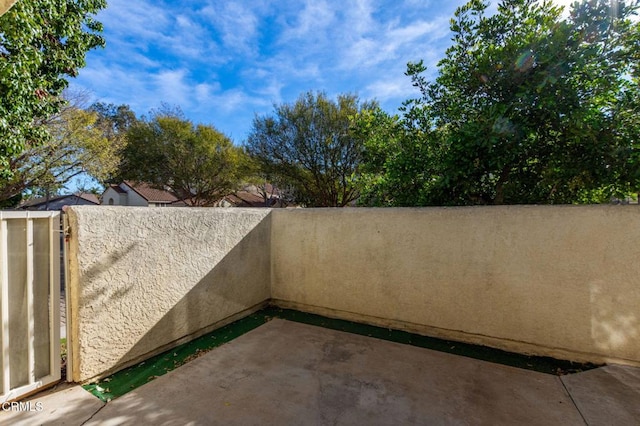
[[151, 194], [41, 201]]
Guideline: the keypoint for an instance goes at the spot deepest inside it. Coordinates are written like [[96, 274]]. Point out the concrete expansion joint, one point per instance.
[[573, 401]]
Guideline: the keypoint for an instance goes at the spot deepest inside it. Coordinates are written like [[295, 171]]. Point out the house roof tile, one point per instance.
[[245, 199], [117, 189], [87, 196], [150, 194]]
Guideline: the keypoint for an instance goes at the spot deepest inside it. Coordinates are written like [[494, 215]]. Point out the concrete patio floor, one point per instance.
[[285, 372]]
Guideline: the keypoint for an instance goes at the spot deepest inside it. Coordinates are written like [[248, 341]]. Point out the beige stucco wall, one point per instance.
[[143, 279], [561, 281], [5, 5]]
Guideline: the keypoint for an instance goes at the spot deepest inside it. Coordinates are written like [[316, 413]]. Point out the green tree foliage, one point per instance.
[[42, 42], [310, 146], [198, 163], [115, 120], [527, 108], [399, 153], [78, 144]]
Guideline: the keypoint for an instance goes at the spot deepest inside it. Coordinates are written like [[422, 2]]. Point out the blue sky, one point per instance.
[[223, 62]]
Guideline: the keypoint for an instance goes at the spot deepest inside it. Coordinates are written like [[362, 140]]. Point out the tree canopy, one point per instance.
[[197, 162], [79, 143], [310, 145], [115, 120], [42, 42], [527, 107]]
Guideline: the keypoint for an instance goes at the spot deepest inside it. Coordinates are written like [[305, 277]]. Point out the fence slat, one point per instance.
[[30, 315], [54, 292], [4, 258]]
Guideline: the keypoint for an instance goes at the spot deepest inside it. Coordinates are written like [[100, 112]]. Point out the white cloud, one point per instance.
[[312, 21], [397, 43], [140, 20], [392, 89], [237, 24], [204, 91], [221, 62], [171, 84], [358, 17], [143, 27]]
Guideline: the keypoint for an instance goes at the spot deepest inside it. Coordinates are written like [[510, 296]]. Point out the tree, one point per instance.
[[41, 44], [115, 120], [78, 144], [399, 153], [311, 146], [526, 108], [198, 163]]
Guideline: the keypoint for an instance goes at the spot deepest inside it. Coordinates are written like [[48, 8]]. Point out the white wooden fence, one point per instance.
[[29, 301]]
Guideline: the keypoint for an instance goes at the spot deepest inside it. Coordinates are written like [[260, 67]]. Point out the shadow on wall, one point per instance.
[[105, 265], [615, 326], [96, 299], [238, 282]]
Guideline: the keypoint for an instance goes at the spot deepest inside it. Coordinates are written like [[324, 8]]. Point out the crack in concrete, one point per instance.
[[93, 415]]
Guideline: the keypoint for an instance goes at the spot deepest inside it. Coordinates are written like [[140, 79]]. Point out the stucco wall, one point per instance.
[[560, 281], [5, 5], [142, 279]]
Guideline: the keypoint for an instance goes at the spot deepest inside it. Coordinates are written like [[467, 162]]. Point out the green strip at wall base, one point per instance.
[[135, 376], [130, 378]]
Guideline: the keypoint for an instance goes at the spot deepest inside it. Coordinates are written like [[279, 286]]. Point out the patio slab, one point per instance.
[[608, 395], [290, 373], [63, 405]]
